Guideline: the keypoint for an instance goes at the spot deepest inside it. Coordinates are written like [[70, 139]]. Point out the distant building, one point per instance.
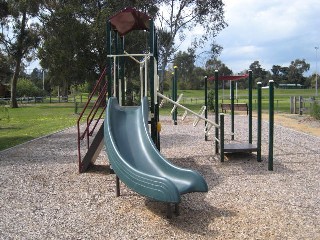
[[290, 86]]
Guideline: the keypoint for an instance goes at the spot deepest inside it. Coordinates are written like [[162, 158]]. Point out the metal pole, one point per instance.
[[175, 82], [154, 132], [316, 70], [271, 124], [122, 81], [206, 103], [172, 92], [116, 66], [259, 109], [250, 105], [222, 137], [216, 107], [109, 60], [232, 109]]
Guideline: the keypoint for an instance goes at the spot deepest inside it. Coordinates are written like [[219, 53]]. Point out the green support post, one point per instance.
[[221, 137], [232, 109], [116, 71], [156, 111], [109, 60], [250, 105], [172, 91], [121, 72], [206, 103], [216, 107], [259, 125], [175, 83], [271, 124], [154, 133]]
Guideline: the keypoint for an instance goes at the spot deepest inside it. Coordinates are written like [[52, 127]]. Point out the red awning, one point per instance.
[[129, 19], [229, 78]]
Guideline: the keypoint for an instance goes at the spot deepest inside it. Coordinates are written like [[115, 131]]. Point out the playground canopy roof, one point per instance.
[[129, 19], [229, 78]]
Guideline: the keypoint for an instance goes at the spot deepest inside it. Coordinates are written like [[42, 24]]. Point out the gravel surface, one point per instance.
[[44, 197]]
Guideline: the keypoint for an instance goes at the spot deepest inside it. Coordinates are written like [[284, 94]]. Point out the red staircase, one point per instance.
[[91, 116]]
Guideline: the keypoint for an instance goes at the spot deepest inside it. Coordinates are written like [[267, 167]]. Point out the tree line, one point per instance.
[[69, 40], [69, 37], [192, 76]]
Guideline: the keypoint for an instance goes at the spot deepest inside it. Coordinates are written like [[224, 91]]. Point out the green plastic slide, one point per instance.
[[136, 160]]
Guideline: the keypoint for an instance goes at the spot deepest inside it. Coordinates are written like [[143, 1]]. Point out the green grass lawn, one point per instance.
[[30, 121], [194, 99]]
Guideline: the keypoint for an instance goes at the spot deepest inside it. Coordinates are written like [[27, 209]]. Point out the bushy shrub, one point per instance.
[[315, 110], [4, 112], [211, 100], [81, 88], [26, 87]]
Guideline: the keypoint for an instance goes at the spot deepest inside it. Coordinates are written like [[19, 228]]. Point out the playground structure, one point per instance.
[[126, 127], [238, 147], [220, 146], [132, 152]]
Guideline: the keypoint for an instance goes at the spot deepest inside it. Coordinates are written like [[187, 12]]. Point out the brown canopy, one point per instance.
[[231, 78], [129, 19]]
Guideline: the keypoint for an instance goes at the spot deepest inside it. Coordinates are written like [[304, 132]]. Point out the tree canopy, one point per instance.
[[19, 35], [69, 38]]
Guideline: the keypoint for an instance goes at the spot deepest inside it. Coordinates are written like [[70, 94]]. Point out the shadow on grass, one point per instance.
[[8, 142], [9, 128]]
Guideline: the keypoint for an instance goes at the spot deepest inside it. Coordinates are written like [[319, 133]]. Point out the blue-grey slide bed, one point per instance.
[[138, 163]]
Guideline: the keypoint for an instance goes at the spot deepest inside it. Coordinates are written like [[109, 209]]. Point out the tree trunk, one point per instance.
[[18, 59], [14, 80]]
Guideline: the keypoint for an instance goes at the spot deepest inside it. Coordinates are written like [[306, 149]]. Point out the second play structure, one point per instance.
[[244, 146], [236, 147], [131, 134], [232, 147]]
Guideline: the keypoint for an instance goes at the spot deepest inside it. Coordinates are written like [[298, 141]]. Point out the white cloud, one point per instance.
[[272, 32]]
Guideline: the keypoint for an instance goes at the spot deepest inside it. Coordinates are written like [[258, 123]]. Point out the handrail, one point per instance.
[[92, 113]]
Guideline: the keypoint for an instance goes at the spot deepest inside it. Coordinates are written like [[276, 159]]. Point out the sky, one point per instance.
[[273, 32]]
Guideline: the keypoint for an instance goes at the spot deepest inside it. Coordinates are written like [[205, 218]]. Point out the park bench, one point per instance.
[[237, 107]]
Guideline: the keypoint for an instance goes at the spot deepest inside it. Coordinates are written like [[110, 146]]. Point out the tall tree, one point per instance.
[[19, 37], [5, 68], [279, 74], [296, 70], [185, 63], [178, 16], [259, 74], [85, 23], [66, 51]]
